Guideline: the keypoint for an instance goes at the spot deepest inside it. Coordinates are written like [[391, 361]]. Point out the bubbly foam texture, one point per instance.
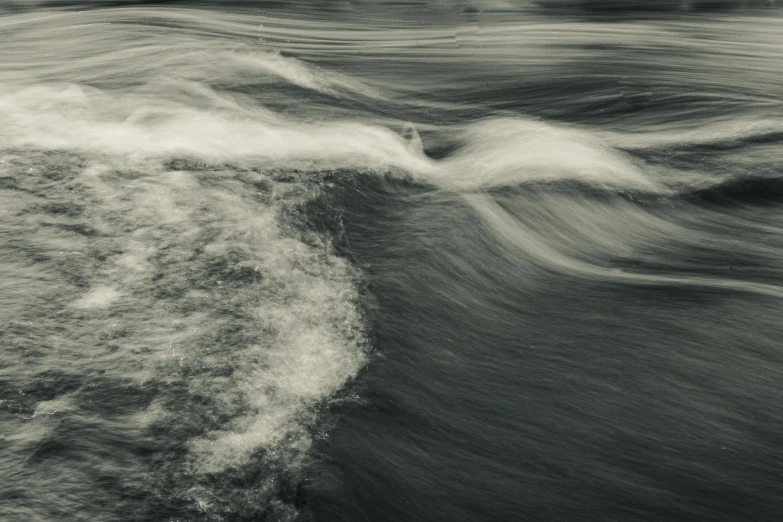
[[98, 297], [312, 345], [295, 303]]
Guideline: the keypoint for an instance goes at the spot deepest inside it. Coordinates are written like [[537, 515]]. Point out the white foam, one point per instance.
[[314, 345], [99, 297], [510, 151], [64, 117], [303, 305], [61, 404], [495, 152]]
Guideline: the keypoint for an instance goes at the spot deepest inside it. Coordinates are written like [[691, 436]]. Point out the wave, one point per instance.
[[502, 152], [201, 123], [81, 118], [523, 242]]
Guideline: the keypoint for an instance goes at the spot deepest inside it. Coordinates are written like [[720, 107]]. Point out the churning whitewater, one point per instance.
[[497, 261]]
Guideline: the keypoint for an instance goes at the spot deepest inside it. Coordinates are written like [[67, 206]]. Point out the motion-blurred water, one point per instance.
[[391, 262]]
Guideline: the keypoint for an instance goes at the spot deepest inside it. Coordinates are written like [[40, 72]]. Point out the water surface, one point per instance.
[[368, 262]]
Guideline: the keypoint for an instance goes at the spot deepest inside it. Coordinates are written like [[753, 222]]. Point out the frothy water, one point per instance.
[[258, 264], [154, 277]]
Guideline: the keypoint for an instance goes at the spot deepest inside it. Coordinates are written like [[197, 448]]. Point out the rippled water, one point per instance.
[[353, 261]]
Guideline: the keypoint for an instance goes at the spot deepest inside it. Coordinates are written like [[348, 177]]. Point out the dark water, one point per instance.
[[391, 262]]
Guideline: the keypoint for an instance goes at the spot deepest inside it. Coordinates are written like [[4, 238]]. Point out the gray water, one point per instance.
[[345, 261]]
